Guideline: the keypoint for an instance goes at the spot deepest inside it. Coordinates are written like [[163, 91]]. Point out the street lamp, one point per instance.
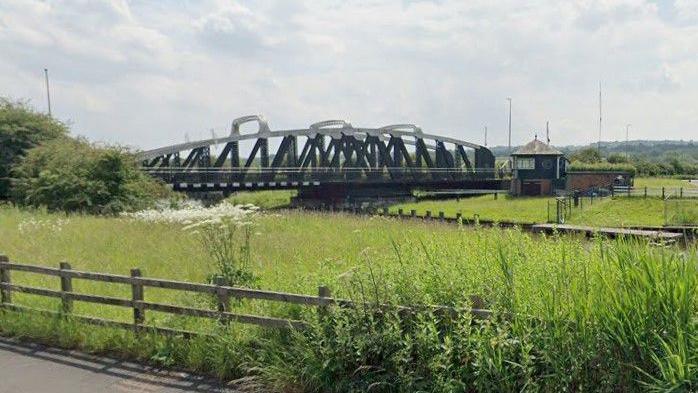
[[509, 99], [48, 93], [627, 143]]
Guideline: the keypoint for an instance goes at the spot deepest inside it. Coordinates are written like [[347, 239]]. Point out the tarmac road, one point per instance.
[[33, 368]]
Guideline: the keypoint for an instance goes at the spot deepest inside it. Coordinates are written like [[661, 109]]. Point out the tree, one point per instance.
[[75, 176], [616, 158], [22, 128], [588, 155]]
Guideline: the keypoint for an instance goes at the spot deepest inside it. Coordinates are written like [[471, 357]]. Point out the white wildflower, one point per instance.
[[193, 215]]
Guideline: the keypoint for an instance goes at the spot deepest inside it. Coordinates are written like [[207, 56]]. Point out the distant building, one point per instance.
[[538, 169]]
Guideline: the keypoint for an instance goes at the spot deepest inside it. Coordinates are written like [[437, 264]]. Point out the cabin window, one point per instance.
[[525, 163]]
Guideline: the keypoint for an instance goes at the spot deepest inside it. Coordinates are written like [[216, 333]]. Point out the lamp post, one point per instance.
[[509, 99], [48, 93], [627, 142]]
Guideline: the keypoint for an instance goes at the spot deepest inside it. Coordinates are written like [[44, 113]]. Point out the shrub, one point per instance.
[[617, 159], [589, 156], [73, 175], [601, 167], [21, 128]]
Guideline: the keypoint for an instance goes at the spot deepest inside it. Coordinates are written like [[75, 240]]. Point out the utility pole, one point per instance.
[[627, 143], [48, 92], [547, 132], [509, 99], [485, 135]]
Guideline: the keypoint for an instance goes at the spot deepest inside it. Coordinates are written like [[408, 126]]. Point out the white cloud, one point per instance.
[[144, 73]]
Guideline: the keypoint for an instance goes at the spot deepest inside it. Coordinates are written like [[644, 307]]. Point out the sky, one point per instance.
[[152, 73]]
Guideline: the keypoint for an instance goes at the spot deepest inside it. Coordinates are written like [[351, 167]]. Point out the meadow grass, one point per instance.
[[606, 212], [620, 212], [504, 208], [272, 199], [659, 182], [571, 314]]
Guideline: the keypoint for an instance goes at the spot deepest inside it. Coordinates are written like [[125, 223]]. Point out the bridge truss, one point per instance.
[[330, 151]]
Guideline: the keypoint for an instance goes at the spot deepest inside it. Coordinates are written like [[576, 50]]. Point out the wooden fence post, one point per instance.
[[5, 293], [441, 216], [386, 212], [663, 193], [223, 296], [323, 292], [66, 287], [645, 192], [413, 213], [459, 216], [400, 212], [428, 214], [137, 297], [681, 192]]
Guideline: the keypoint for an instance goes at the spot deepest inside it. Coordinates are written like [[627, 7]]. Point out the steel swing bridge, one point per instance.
[[331, 152]]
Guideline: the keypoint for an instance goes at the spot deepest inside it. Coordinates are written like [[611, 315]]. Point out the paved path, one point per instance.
[[32, 368]]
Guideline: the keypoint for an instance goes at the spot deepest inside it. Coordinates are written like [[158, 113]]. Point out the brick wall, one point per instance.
[[585, 180], [517, 185]]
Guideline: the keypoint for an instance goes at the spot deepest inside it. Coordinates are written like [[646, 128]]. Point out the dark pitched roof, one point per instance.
[[536, 147]]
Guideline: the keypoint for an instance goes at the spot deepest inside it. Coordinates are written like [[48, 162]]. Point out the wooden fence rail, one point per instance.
[[137, 301]]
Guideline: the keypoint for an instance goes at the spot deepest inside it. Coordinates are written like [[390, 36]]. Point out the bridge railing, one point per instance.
[[331, 174]]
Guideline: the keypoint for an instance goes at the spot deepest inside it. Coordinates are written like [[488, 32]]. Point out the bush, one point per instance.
[[73, 175], [589, 156], [601, 167], [617, 159], [21, 128]]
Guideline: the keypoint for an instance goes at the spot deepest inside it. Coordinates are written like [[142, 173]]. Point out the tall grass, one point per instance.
[[570, 314], [627, 323]]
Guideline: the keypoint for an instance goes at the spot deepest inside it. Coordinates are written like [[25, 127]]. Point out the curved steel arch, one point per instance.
[[264, 131], [261, 121], [351, 153]]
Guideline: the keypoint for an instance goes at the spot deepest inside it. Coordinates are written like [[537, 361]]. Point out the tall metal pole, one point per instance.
[[509, 99], [600, 118], [627, 146], [485, 135], [48, 92]]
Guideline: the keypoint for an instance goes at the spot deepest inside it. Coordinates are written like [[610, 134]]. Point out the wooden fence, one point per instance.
[[139, 306], [663, 192]]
